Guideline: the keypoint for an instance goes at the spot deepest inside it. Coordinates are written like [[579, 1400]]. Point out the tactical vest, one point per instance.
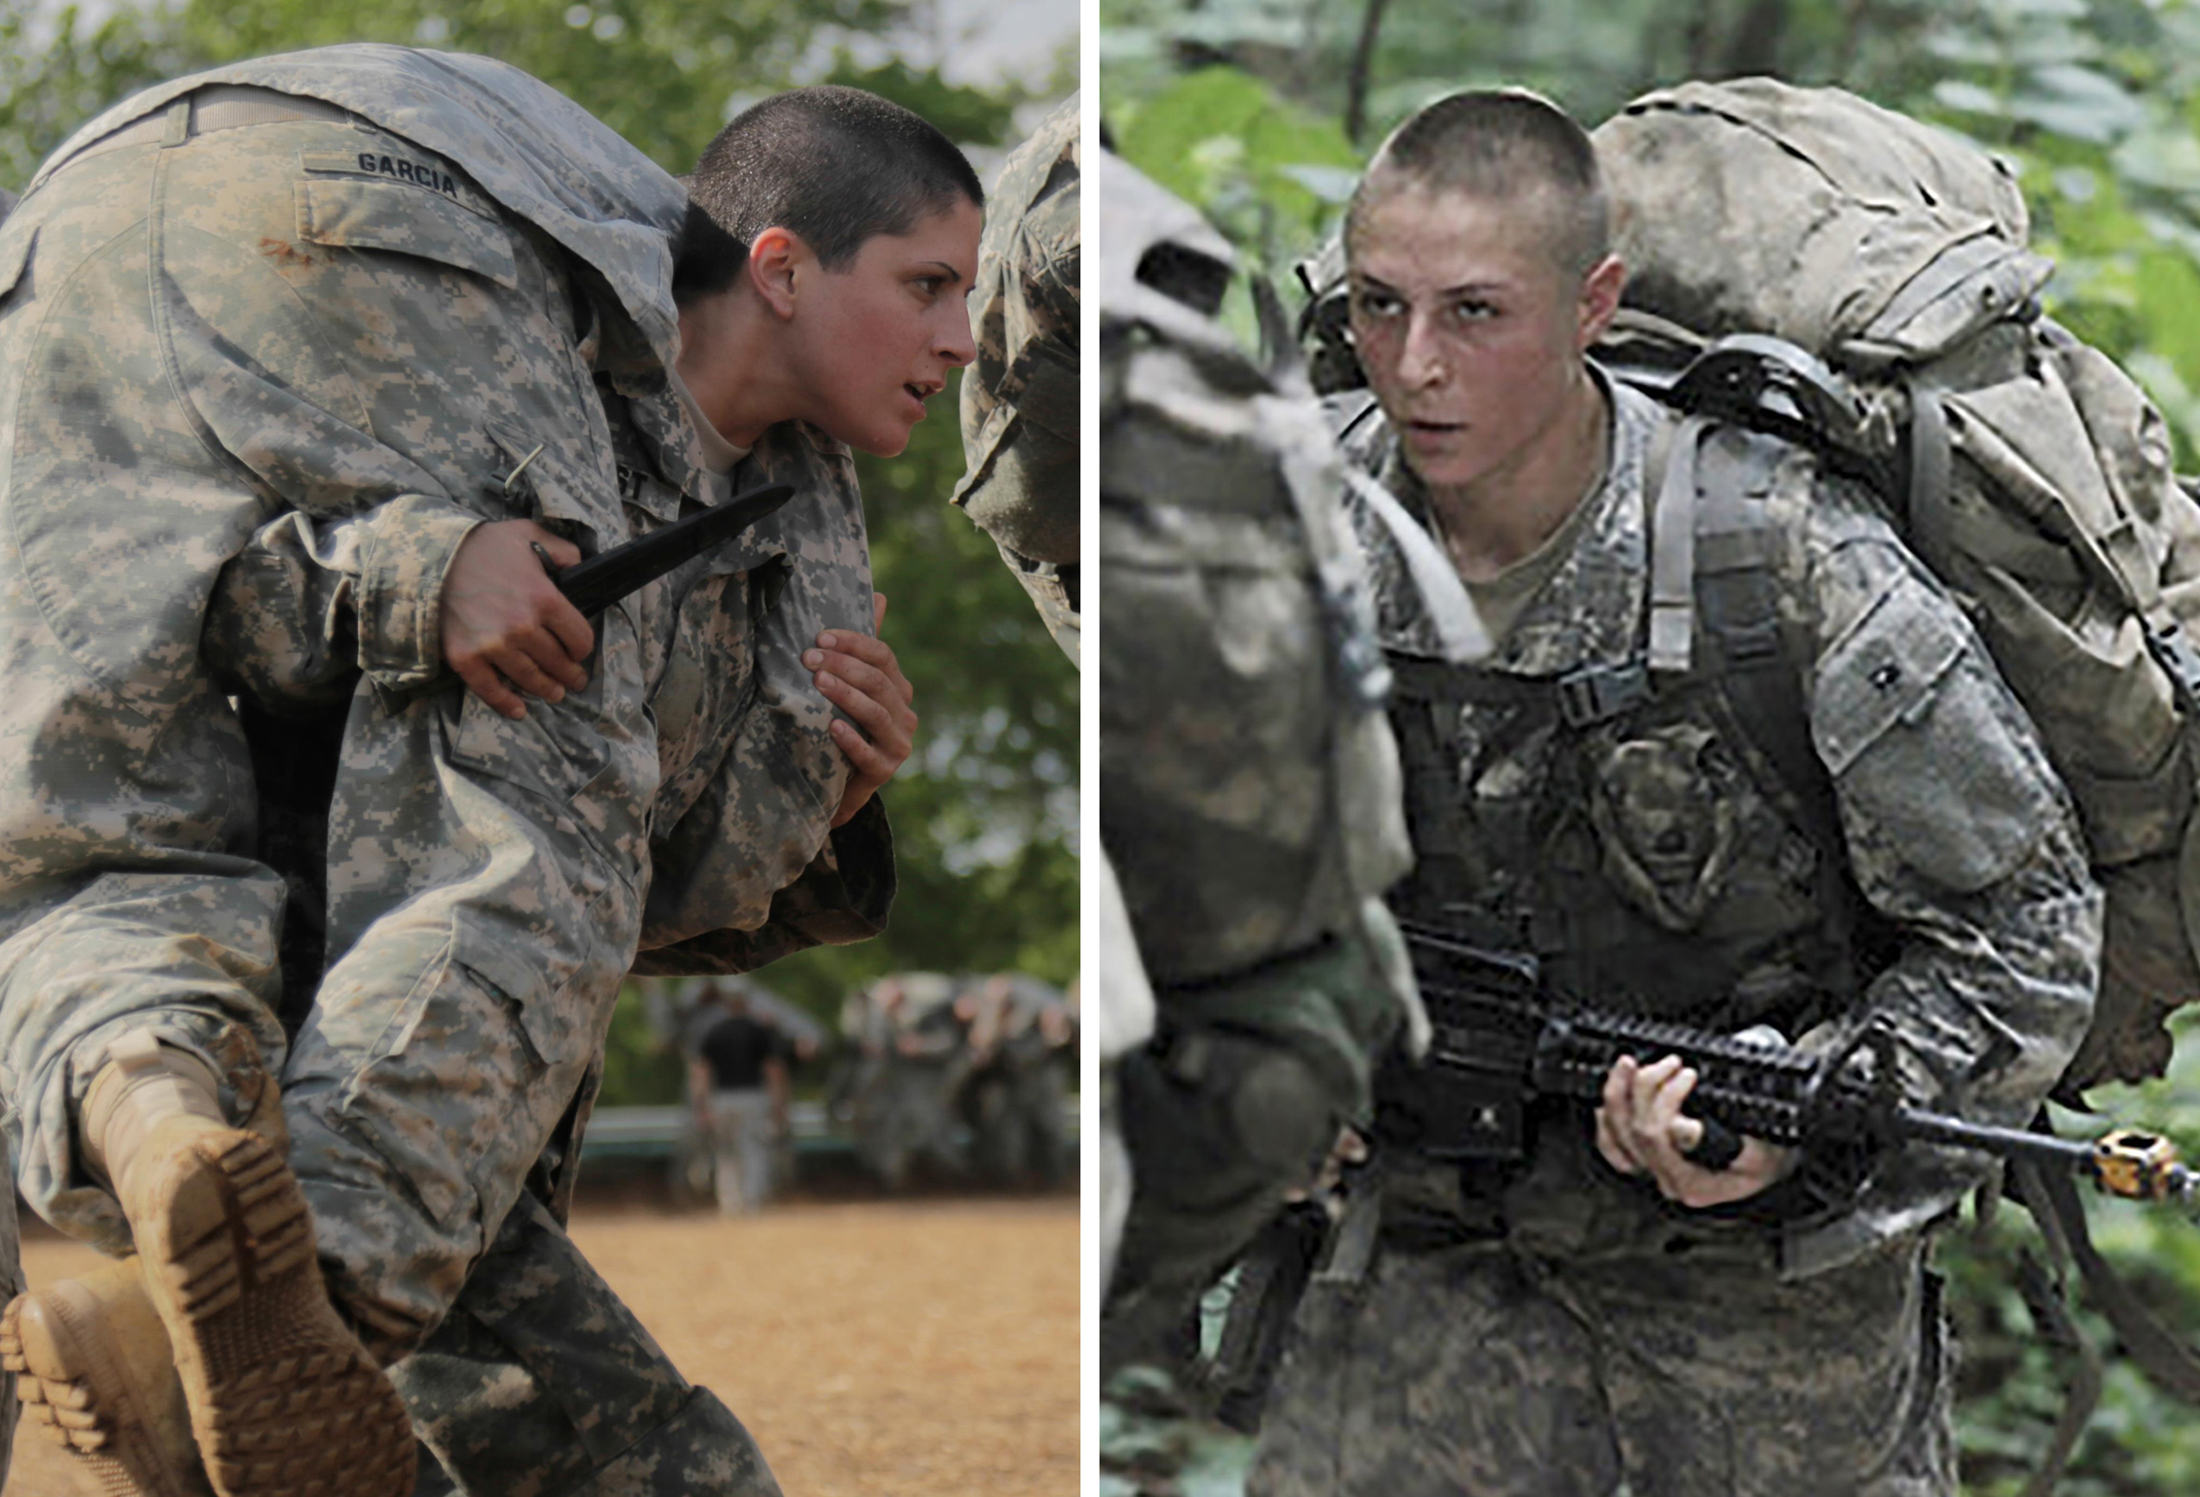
[[1658, 854]]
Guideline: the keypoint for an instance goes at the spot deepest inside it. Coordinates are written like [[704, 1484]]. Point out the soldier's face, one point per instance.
[[1470, 331], [886, 330]]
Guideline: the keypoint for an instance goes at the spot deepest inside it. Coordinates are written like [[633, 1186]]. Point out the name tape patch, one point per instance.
[[421, 171]]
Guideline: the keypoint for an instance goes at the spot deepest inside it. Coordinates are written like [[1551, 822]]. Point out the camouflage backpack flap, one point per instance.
[[2023, 466], [1250, 799], [1812, 215]]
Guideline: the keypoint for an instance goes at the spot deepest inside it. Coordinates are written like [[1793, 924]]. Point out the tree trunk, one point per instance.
[[1363, 61], [1756, 47]]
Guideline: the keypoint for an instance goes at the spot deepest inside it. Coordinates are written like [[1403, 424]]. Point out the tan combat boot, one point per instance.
[[283, 1400], [92, 1368]]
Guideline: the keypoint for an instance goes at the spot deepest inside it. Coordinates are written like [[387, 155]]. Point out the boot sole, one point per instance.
[[284, 1400], [69, 1377]]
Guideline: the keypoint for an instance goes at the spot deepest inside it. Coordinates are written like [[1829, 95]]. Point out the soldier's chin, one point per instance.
[[879, 438]]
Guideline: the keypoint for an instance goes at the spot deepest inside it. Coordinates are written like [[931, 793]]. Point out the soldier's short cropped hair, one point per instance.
[[1500, 144], [836, 165]]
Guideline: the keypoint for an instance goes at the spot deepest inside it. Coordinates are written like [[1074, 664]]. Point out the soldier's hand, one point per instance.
[[1641, 1130], [506, 625], [859, 674]]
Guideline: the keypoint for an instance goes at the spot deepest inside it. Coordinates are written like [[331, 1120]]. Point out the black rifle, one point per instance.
[[602, 580], [1501, 1039]]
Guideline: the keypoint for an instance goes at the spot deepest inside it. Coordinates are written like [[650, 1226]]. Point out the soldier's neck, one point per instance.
[[728, 365], [1508, 514]]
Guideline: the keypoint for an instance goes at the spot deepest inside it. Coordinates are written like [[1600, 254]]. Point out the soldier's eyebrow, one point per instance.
[[1464, 288], [953, 275]]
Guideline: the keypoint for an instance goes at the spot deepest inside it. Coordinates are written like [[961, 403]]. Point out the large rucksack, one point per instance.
[[1804, 262], [2024, 467]]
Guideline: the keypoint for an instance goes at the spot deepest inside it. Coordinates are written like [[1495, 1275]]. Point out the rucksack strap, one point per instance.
[[2051, 1196], [1673, 546], [1928, 503], [1711, 572]]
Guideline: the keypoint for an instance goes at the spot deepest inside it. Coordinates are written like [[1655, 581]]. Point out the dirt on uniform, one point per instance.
[[872, 1349]]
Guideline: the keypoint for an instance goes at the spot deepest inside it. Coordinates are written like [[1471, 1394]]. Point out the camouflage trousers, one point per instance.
[[541, 1382], [1015, 1115], [235, 343], [905, 1112], [1480, 1369]]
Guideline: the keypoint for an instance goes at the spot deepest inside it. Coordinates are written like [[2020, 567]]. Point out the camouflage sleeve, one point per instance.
[[751, 868], [308, 601], [842, 897], [1962, 835]]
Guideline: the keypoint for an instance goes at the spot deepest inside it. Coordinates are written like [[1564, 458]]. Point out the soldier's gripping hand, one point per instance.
[[506, 625], [859, 674], [1641, 1130]]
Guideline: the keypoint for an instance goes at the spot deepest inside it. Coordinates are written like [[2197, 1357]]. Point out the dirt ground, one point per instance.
[[871, 1348]]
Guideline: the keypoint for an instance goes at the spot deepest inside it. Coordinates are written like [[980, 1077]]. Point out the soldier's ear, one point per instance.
[[1600, 293], [777, 258]]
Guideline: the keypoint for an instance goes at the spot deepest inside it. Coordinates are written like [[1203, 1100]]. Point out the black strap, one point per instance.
[[1757, 665], [2157, 1351], [2045, 1290]]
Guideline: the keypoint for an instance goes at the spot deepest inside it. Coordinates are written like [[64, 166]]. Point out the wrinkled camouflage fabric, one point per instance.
[[1732, 1376], [1020, 399], [486, 879], [1667, 1351], [542, 1381]]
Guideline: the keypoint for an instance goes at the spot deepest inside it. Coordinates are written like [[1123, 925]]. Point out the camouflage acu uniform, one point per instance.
[[1019, 400], [439, 298], [1548, 1328], [914, 1056], [1013, 1102]]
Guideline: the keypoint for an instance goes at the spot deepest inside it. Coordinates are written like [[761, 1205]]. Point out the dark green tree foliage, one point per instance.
[[985, 813], [1243, 106]]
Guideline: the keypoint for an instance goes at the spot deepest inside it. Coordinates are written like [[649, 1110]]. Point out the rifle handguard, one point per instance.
[[1717, 1149]]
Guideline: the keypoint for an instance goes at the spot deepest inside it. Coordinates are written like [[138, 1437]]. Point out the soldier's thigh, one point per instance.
[[1726, 1382], [1442, 1374]]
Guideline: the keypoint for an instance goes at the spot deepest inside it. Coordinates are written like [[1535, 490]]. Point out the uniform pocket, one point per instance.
[[544, 484], [406, 220], [1936, 766]]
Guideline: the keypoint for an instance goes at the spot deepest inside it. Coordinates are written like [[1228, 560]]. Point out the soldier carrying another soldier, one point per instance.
[[331, 424]]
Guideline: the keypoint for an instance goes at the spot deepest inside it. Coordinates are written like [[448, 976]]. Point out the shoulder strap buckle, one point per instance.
[[1598, 693]]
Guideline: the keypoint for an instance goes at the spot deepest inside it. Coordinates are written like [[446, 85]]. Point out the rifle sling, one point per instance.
[[2046, 1296], [1352, 1251], [2166, 1360]]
